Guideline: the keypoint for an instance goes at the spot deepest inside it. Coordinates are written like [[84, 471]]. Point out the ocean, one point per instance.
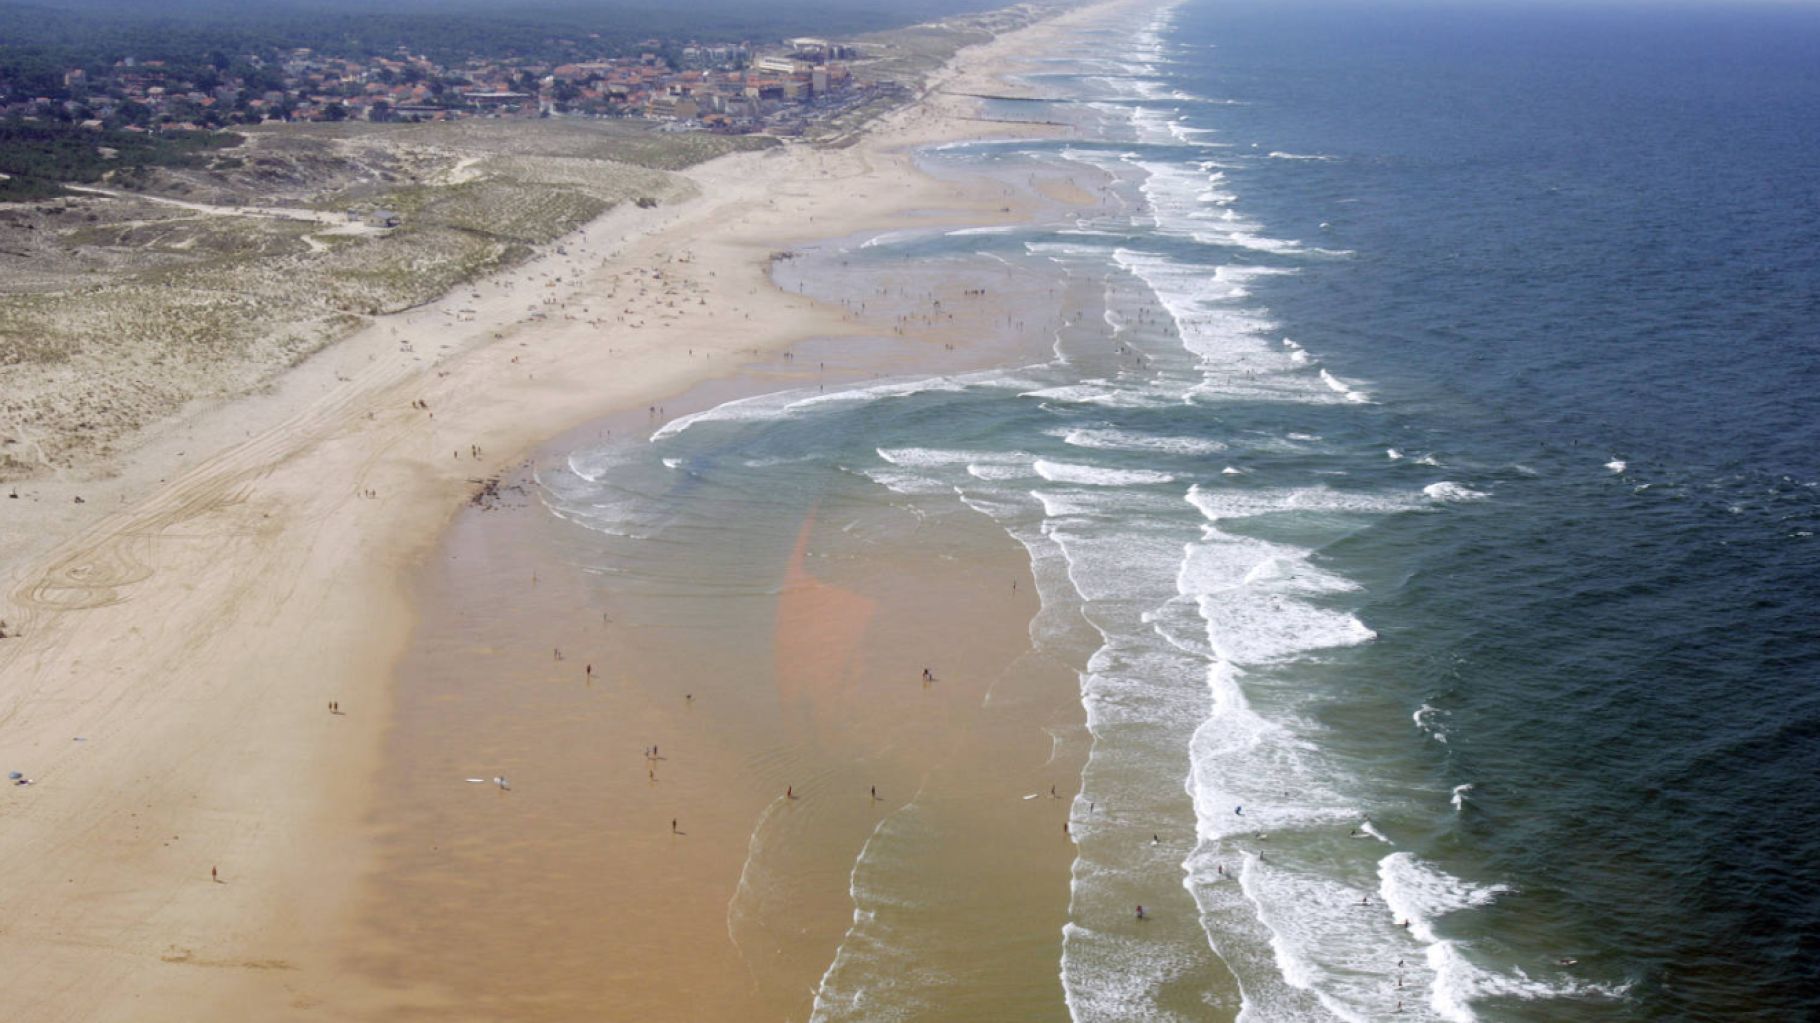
[[1421, 482]]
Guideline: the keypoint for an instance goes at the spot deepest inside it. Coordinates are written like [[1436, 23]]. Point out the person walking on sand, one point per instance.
[[1141, 914], [672, 825]]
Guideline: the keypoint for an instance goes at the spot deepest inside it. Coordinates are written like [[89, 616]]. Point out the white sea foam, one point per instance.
[[1104, 393], [1421, 893], [1449, 491], [1099, 981], [985, 465], [997, 471], [1325, 943], [1219, 503], [1081, 392], [593, 464], [1425, 718], [892, 389], [1188, 133], [908, 483], [1228, 340], [890, 238], [1247, 626], [1459, 983], [1128, 440], [1617, 465], [1339, 386], [1280, 155], [762, 406], [1249, 240], [1093, 475], [1122, 505], [1458, 798], [925, 458], [784, 404], [875, 973]]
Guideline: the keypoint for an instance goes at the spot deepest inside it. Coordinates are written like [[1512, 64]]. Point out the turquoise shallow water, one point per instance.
[[1425, 493]]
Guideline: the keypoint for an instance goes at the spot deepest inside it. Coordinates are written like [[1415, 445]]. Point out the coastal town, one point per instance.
[[737, 88]]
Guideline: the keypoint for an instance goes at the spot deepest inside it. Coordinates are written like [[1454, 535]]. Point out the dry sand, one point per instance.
[[166, 681]]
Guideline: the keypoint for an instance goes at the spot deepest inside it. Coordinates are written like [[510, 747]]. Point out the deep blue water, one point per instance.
[[1578, 236]]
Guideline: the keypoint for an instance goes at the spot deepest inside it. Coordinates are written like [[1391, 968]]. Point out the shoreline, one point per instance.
[[235, 601], [809, 691]]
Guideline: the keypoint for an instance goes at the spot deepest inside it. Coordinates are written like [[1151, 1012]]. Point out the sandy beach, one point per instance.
[[198, 836]]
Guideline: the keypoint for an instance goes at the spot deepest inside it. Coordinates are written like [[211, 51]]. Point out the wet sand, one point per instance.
[[571, 892]]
